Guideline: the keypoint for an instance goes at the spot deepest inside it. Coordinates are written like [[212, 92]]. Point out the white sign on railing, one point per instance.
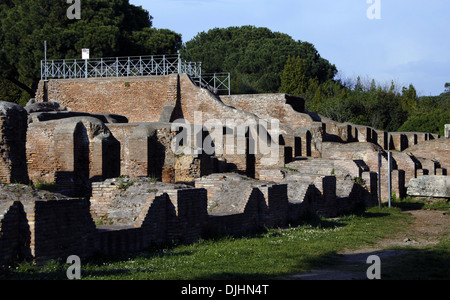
[[84, 53]]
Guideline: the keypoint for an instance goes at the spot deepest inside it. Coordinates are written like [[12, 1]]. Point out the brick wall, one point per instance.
[[15, 233], [164, 212], [13, 127], [41, 151], [238, 203], [135, 147], [288, 109], [435, 149], [141, 99], [60, 228], [72, 153]]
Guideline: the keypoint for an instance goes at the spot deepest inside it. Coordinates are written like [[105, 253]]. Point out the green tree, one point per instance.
[[107, 28], [431, 121], [294, 79], [254, 56], [409, 99]]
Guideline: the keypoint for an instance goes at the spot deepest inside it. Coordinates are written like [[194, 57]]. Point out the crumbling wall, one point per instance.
[[72, 153], [289, 110], [435, 149], [44, 226], [164, 212], [13, 128], [237, 203], [60, 228], [15, 236]]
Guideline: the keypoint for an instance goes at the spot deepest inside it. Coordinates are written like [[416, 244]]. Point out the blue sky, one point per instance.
[[409, 44]]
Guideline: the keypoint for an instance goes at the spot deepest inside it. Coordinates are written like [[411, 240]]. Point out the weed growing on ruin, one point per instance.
[[359, 181], [47, 186], [104, 221], [152, 179], [124, 183]]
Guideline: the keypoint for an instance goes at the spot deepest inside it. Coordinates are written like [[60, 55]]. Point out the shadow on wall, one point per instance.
[[16, 235]]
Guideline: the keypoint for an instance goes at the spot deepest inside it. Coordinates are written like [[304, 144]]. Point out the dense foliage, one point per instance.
[[254, 56], [107, 28], [389, 108]]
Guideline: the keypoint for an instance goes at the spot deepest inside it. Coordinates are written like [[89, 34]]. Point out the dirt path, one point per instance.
[[427, 229]]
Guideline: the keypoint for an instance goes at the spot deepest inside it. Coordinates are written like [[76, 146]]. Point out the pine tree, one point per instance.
[[294, 79]]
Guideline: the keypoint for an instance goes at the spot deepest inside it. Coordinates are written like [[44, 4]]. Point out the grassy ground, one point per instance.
[[267, 255]]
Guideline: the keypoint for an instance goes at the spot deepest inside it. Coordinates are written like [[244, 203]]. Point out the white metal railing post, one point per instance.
[[86, 68], [380, 160], [128, 67], [229, 84], [117, 67], [64, 68], [390, 176], [165, 72], [200, 71]]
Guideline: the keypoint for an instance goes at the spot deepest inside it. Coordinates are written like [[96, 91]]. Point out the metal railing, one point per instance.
[[134, 66], [217, 83], [118, 67]]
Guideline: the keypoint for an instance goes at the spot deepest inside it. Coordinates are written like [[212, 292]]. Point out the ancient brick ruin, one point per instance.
[[147, 160]]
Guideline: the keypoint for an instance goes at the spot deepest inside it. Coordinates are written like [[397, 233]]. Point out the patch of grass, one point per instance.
[[410, 203], [263, 255], [47, 186]]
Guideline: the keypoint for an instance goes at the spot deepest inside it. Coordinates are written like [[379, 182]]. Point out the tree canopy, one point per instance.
[[254, 56], [107, 28], [385, 107]]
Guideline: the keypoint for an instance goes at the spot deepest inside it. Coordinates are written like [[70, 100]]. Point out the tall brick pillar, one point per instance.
[[13, 131]]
